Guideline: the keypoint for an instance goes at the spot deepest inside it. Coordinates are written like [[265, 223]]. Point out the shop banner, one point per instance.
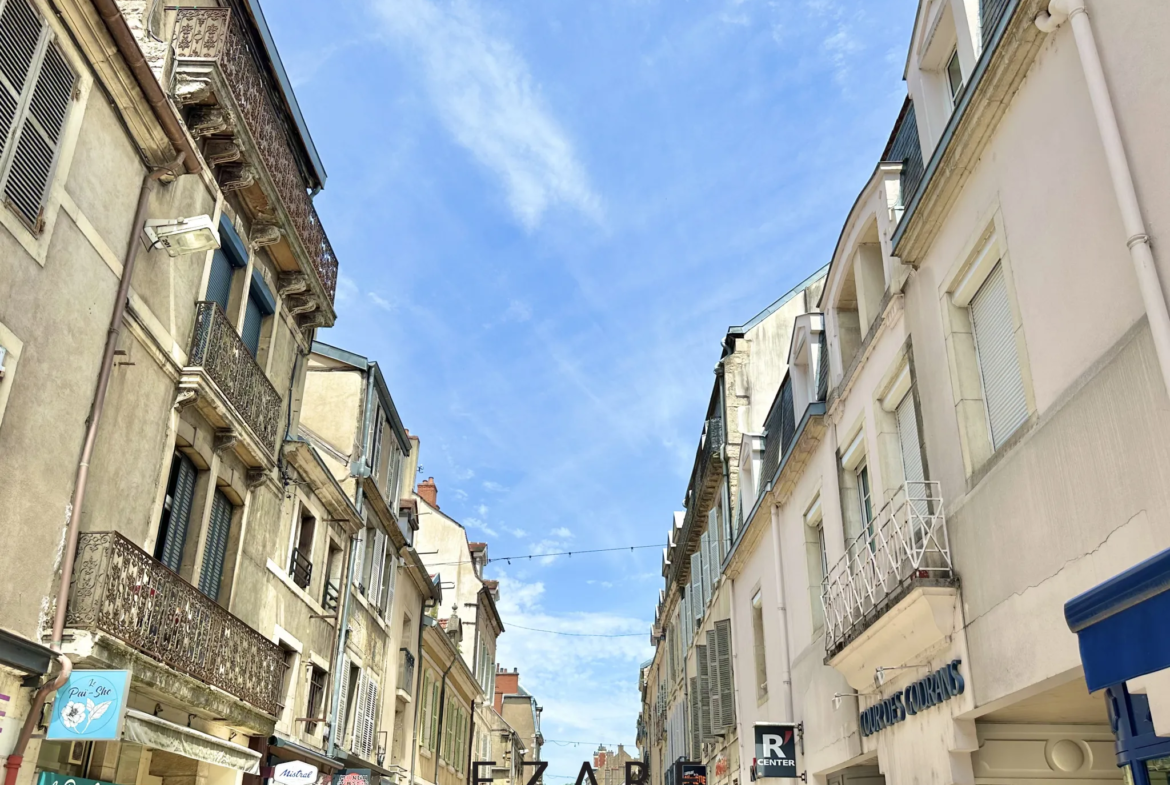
[[295, 772], [353, 777], [90, 707], [775, 752], [53, 778]]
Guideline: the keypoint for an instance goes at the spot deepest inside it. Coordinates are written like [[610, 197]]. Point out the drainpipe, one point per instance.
[[73, 511], [423, 618], [1137, 240], [442, 706], [342, 637], [782, 608]]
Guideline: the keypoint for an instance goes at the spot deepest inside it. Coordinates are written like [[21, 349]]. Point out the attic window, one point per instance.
[[954, 77]]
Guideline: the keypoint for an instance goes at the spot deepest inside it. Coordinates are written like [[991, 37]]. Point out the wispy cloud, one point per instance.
[[561, 532], [484, 93], [480, 524], [380, 301], [493, 486]]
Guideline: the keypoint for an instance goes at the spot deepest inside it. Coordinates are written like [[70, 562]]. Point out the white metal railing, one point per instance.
[[905, 543]]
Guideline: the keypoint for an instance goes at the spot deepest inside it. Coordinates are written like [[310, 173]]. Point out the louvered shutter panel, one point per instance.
[[376, 565], [424, 696], [908, 439], [726, 673], [713, 685], [219, 280], [705, 544], [435, 738], [253, 320], [339, 733], [696, 591], [175, 537], [215, 546], [999, 362], [696, 720], [40, 79], [359, 715], [704, 692], [371, 717]]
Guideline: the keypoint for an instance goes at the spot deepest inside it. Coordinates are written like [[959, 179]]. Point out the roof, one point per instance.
[[778, 304], [476, 546]]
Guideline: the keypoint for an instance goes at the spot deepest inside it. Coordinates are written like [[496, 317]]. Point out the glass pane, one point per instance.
[[1159, 771], [954, 76]]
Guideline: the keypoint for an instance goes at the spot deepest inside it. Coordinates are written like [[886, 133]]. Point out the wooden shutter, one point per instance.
[[215, 545], [371, 718], [253, 320], [696, 720], [705, 549], [339, 733], [36, 88], [999, 362], [704, 674], [713, 687], [219, 280], [696, 591], [912, 467], [359, 715], [178, 513], [726, 674], [425, 696], [434, 737]]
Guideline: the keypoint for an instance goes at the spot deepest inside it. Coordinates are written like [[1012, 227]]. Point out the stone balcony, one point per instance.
[[230, 389], [118, 590], [230, 109]]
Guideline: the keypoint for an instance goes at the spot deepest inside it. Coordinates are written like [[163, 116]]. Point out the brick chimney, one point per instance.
[[428, 491], [507, 683]]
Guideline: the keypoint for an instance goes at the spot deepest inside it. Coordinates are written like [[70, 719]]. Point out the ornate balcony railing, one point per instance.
[[119, 590], [216, 347], [905, 546], [210, 35], [712, 444]]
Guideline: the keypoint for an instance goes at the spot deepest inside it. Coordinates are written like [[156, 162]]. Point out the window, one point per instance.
[[225, 261], [865, 501], [316, 697], [332, 590], [176, 512], [758, 645], [215, 547], [434, 736], [350, 689], [288, 691], [428, 706], [999, 362], [816, 559], [261, 305], [389, 577], [36, 88], [300, 565], [954, 77]]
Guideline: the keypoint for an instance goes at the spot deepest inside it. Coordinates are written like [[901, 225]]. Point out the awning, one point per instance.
[[24, 655], [290, 750], [1121, 624], [150, 731]]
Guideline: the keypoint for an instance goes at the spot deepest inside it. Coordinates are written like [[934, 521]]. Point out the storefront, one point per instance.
[[1123, 628]]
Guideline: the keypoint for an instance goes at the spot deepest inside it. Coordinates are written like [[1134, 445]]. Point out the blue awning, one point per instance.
[[1121, 624]]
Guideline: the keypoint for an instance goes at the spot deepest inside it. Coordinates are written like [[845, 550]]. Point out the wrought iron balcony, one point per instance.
[[218, 353], [710, 461], [232, 109], [329, 602], [904, 547], [300, 569], [119, 590]]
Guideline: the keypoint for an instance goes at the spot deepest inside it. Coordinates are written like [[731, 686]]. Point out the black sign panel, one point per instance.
[[775, 752], [692, 774]]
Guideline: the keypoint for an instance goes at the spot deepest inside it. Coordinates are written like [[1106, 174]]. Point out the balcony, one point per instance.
[[119, 590], [899, 566], [300, 569], [229, 107], [222, 377]]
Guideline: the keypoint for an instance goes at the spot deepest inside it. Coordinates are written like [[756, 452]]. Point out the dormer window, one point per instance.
[[954, 77]]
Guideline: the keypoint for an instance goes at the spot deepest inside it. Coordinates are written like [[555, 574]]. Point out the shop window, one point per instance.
[[176, 513]]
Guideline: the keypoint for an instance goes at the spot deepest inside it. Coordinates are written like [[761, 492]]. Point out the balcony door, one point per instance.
[[219, 529], [172, 530]]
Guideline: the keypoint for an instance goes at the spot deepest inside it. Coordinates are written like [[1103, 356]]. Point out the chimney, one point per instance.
[[428, 492]]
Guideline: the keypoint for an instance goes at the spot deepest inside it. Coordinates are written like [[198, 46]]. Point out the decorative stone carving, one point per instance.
[[234, 176], [292, 283], [208, 120], [191, 90], [310, 320], [185, 399], [265, 234], [222, 151], [257, 477], [298, 304], [225, 440]]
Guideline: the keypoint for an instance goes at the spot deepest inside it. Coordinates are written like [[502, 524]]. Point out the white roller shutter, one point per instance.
[[912, 467], [999, 362]]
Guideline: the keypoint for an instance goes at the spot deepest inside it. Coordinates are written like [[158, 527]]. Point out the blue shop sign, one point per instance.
[[942, 685], [90, 707]]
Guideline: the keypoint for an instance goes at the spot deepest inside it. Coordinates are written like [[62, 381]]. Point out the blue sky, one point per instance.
[[547, 213]]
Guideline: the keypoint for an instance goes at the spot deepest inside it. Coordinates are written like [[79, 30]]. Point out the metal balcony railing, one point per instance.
[[300, 569], [120, 590], [330, 597], [905, 546], [217, 348], [712, 444]]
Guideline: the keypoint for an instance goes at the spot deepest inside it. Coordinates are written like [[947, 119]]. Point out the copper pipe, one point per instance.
[[159, 103], [16, 758]]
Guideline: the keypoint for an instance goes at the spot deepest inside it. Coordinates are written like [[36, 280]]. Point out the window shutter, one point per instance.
[[908, 438], [425, 696], [253, 320], [215, 545], [35, 91], [713, 685], [375, 586], [696, 720], [696, 591], [704, 692], [339, 732], [999, 362], [219, 280], [175, 536], [360, 546], [371, 718], [359, 715], [726, 675], [434, 739], [705, 548]]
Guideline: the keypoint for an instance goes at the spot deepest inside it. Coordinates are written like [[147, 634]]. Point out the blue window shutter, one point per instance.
[[231, 243], [215, 549], [253, 320], [176, 513], [219, 283]]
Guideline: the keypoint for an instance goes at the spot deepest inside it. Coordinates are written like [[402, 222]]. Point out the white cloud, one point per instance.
[[494, 487], [515, 532], [561, 532], [347, 289], [486, 97], [380, 301], [517, 312], [476, 523]]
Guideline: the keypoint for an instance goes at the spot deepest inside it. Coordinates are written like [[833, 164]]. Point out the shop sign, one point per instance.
[[939, 687], [53, 778], [352, 777], [90, 707], [775, 752], [692, 774], [295, 772]]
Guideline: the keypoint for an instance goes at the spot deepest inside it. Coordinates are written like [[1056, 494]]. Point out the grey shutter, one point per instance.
[[999, 362], [170, 552], [253, 320], [696, 720], [215, 545], [696, 585], [726, 675], [912, 467], [713, 686], [37, 87], [704, 692], [705, 542], [219, 282]]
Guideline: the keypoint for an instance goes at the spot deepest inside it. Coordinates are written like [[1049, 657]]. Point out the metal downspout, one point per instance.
[[782, 608], [342, 637], [442, 708], [418, 680]]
